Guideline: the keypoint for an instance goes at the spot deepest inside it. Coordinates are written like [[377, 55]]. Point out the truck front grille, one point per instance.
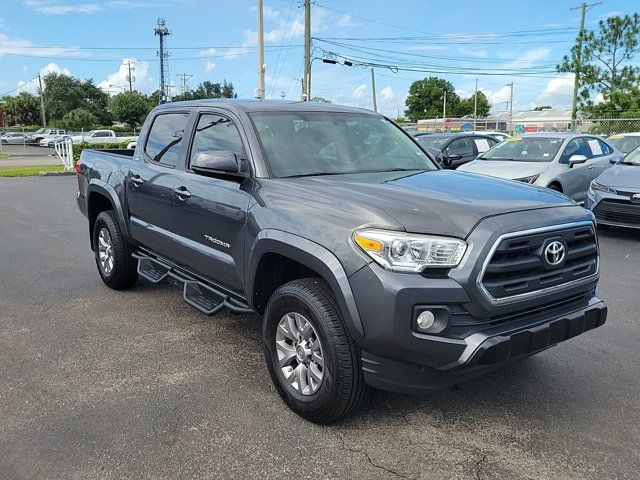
[[523, 264], [618, 211]]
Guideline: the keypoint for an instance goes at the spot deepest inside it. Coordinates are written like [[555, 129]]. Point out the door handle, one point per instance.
[[591, 167], [136, 180], [182, 193]]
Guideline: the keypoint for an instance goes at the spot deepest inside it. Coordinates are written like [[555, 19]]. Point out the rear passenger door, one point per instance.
[[151, 182], [210, 212], [601, 154]]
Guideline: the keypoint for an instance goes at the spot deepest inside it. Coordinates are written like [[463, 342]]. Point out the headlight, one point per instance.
[[531, 179], [405, 252], [601, 188]]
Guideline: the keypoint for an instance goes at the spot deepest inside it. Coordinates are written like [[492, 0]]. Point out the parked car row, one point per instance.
[[601, 173]]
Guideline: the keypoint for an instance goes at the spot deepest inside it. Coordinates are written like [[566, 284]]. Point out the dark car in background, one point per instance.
[[614, 197], [454, 149]]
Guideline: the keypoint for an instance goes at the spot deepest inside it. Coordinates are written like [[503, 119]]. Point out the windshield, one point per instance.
[[331, 143], [432, 142], [524, 149], [624, 143], [632, 158]]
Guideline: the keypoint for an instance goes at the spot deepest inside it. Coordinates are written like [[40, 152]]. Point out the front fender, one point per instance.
[[313, 256]]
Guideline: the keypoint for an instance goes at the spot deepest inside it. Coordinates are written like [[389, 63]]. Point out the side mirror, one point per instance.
[[217, 162], [449, 159], [576, 159]]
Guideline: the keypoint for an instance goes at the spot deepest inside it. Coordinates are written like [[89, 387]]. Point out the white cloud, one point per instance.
[[9, 46], [117, 81], [529, 58], [32, 86], [558, 92], [55, 7], [387, 94], [209, 67], [427, 48]]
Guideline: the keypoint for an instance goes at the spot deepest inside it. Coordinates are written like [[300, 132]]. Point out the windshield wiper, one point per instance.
[[628, 163], [315, 174]]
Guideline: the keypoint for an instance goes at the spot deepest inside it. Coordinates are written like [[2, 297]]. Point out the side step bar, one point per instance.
[[200, 295]]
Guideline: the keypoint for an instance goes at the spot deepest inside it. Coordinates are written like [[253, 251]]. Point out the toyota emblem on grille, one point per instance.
[[636, 197], [554, 253]]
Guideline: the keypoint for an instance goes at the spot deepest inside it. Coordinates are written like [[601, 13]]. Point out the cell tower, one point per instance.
[[162, 31]]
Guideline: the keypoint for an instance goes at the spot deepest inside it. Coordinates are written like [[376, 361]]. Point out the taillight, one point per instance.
[[78, 168]]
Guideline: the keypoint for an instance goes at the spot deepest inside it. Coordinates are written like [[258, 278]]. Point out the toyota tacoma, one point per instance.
[[369, 264]]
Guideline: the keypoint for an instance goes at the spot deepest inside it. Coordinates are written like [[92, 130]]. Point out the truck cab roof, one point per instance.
[[250, 106]]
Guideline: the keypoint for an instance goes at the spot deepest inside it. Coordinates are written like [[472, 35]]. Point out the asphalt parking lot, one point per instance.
[[137, 384], [27, 155]]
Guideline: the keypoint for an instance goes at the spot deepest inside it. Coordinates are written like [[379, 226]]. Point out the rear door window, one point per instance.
[[164, 142]]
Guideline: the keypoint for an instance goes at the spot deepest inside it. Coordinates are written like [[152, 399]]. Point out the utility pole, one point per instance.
[[511, 108], [261, 66], [185, 85], [307, 51], [130, 77], [444, 110], [44, 118], [578, 66], [373, 89], [162, 31], [475, 106]]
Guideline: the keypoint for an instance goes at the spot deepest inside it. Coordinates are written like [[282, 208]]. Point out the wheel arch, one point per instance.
[[277, 257], [100, 197]]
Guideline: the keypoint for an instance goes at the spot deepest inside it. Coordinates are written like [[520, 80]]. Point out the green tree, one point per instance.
[[63, 93], [465, 106], [23, 109], [426, 98], [130, 108], [79, 119], [320, 100], [542, 107], [605, 56], [209, 89]]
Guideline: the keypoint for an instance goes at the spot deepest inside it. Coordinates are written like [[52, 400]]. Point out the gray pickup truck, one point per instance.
[[369, 264]]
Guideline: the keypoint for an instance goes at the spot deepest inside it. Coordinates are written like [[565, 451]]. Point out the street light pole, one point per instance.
[[306, 81], [373, 89], [475, 106], [261, 91], [44, 118], [578, 64], [444, 110], [511, 108]]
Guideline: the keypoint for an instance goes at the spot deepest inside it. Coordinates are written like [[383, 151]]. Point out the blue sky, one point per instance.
[[497, 42]]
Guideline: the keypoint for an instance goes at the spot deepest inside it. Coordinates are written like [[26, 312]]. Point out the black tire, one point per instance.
[[342, 389], [124, 272]]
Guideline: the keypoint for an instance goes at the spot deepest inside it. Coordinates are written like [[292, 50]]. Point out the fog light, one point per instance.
[[426, 320]]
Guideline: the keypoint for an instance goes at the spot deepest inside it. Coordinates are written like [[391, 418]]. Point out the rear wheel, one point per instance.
[[314, 363], [113, 254]]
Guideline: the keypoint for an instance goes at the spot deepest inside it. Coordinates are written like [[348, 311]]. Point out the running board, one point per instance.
[[200, 295]]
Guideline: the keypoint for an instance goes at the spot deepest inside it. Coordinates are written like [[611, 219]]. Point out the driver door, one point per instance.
[[210, 212], [459, 151], [575, 179]]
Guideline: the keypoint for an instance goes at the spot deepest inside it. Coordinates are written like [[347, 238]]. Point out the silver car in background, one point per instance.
[[566, 162]]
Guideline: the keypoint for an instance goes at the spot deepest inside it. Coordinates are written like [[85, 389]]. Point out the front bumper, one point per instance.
[[482, 352], [614, 209]]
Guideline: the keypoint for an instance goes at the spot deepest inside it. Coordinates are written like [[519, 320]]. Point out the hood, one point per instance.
[[621, 176], [440, 202], [505, 169]]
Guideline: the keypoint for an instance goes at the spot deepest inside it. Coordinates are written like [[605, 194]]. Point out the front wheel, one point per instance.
[[313, 362]]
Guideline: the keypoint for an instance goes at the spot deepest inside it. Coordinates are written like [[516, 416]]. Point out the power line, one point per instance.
[[20, 86], [284, 34]]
